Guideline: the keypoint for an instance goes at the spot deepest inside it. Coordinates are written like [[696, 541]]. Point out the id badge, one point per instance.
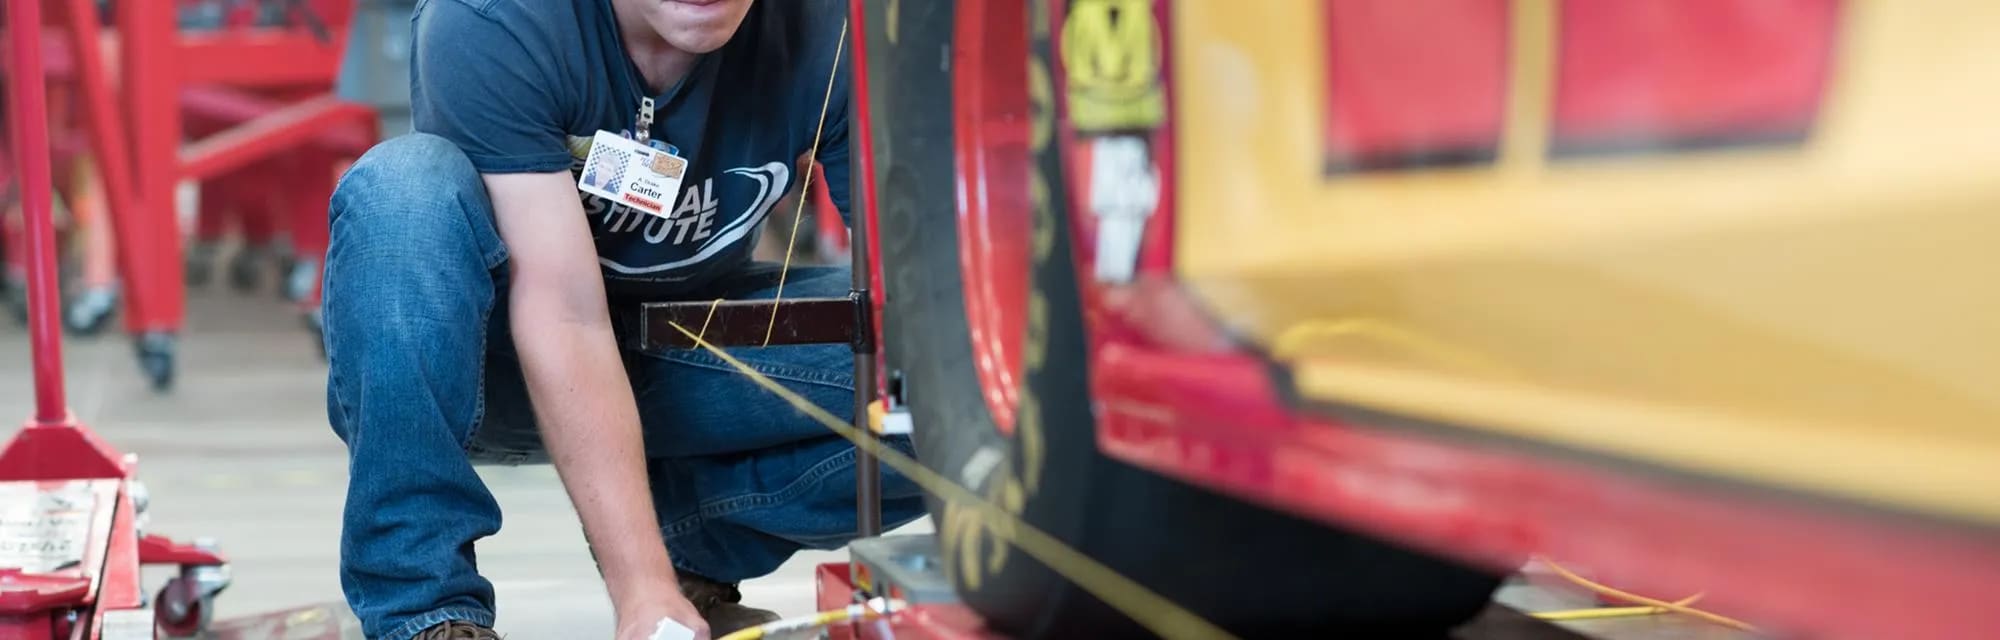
[[631, 173]]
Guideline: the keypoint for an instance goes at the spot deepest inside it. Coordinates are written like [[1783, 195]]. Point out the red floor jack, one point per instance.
[[71, 538]]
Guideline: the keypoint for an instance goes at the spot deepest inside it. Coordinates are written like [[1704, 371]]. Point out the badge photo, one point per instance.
[[605, 168]]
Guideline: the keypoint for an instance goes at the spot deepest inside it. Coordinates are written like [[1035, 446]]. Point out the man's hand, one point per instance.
[[638, 620], [583, 401]]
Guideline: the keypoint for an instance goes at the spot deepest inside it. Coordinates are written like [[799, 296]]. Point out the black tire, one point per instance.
[[1254, 571]]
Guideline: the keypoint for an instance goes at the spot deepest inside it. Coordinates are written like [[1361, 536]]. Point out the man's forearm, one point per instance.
[[590, 425]]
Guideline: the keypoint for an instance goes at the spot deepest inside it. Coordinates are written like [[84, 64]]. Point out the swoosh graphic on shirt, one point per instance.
[[772, 179]]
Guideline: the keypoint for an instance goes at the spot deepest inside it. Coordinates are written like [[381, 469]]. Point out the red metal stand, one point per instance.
[[263, 91], [148, 234]]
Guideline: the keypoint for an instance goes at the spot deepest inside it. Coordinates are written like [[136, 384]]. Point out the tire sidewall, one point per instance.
[[1041, 473]]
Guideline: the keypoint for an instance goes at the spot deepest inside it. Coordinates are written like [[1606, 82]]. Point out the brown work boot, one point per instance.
[[457, 630], [721, 605]]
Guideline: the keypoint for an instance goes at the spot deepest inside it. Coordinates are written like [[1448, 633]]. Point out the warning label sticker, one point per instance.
[[44, 529]]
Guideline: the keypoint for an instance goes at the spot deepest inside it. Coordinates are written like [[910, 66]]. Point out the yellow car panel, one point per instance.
[[1818, 317]]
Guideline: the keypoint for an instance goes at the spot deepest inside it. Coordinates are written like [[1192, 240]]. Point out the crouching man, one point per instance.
[[470, 281]]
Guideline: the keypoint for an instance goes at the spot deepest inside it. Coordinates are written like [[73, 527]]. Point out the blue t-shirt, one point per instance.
[[522, 85]]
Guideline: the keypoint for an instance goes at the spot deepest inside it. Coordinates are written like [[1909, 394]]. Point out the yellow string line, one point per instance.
[[1530, 100], [805, 186], [1611, 612], [1152, 611], [1597, 613], [818, 620], [704, 321], [1639, 599]]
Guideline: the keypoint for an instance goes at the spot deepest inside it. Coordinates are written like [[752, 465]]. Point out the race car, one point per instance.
[[1327, 314]]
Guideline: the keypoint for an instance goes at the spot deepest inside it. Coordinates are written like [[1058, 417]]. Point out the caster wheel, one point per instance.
[[287, 261], [300, 279], [156, 358], [180, 611], [316, 323], [246, 270], [199, 268], [17, 304], [89, 313]]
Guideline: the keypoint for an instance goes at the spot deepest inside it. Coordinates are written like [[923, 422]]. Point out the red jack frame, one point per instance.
[[81, 577]]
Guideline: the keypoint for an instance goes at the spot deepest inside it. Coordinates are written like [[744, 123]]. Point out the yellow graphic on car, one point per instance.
[[1111, 53]]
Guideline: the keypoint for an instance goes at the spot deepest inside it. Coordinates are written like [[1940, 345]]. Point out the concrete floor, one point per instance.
[[240, 450]]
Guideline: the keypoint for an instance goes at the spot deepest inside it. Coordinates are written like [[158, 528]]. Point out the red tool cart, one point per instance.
[[258, 94]]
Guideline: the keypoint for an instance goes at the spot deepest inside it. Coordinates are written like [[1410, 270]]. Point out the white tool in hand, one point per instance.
[[670, 630]]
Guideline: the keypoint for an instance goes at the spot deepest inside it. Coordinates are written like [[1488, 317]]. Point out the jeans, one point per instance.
[[424, 383]]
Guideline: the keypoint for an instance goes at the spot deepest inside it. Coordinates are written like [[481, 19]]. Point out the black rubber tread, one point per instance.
[[1255, 571]]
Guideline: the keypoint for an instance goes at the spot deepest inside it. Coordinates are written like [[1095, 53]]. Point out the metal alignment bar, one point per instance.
[[741, 323]]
